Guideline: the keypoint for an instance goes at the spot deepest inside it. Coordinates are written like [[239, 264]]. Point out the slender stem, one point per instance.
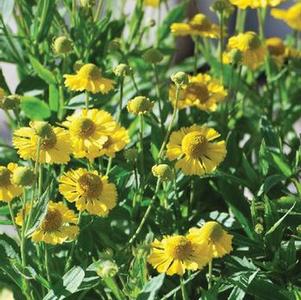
[[120, 98], [240, 20], [196, 56], [109, 166], [210, 275], [175, 110], [147, 212], [12, 216], [98, 10], [141, 131], [221, 46], [158, 95], [87, 100], [47, 263], [183, 289]]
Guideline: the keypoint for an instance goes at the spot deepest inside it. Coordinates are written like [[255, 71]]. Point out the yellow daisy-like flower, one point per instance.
[[194, 150], [90, 130], [152, 3], [89, 190], [199, 25], [8, 190], [118, 139], [243, 4], [58, 226], [253, 51], [202, 91], [291, 16], [89, 78], [55, 147], [178, 253], [277, 49], [213, 234]]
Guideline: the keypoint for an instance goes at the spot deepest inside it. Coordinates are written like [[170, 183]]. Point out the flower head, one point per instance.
[[201, 91], [253, 51], [8, 189], [55, 147], [62, 45], [291, 16], [199, 25], [162, 171], [243, 4], [94, 133], [9, 102], [90, 79], [178, 253], [89, 190], [152, 3], [213, 234], [194, 150], [23, 176], [140, 105]]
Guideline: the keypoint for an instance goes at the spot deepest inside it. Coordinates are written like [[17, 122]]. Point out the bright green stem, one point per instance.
[[158, 94], [210, 275], [175, 110], [183, 289], [112, 285], [47, 263], [147, 212], [120, 98], [141, 132], [221, 45], [240, 20]]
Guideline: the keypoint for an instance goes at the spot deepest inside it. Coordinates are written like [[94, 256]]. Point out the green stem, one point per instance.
[[175, 110], [141, 131], [12, 216], [47, 263], [120, 98], [158, 95], [109, 166], [183, 289], [240, 20], [87, 100], [147, 212], [221, 46], [210, 275]]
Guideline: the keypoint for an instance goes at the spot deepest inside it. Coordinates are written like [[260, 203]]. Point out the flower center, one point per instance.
[[200, 22], [214, 231], [108, 143], [48, 142], [194, 144], [198, 91], [90, 71], [53, 221], [4, 176], [84, 127], [179, 248], [251, 41], [91, 184], [275, 46]]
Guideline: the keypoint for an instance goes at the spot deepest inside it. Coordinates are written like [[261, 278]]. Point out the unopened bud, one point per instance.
[[180, 78], [62, 45], [9, 102], [140, 105], [131, 155], [106, 268], [153, 56], [259, 228], [122, 70], [162, 171]]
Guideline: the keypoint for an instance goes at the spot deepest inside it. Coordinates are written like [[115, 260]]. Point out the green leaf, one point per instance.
[[68, 285], [175, 15], [151, 288], [41, 71], [281, 164], [54, 98], [34, 108], [269, 183]]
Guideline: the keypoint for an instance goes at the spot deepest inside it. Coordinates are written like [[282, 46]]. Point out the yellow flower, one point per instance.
[[202, 91], [153, 3], [251, 48], [140, 105], [8, 190], [176, 254], [276, 49], [89, 78], [19, 219], [291, 16], [89, 190], [199, 25], [116, 141], [243, 4], [194, 150], [213, 234], [55, 145], [90, 131]]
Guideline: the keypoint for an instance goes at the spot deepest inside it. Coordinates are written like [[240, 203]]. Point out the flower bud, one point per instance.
[[43, 129], [222, 6], [62, 45], [298, 229], [139, 105], [152, 56], [115, 45], [106, 268], [122, 70], [87, 3], [151, 23], [77, 65], [131, 155], [9, 102], [259, 228], [23, 176], [180, 78], [162, 171]]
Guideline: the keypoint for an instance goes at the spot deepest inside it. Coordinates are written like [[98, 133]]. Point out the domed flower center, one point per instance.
[[200, 22], [4, 176], [194, 144], [275, 46], [91, 184], [108, 143], [53, 220], [179, 247], [198, 91], [251, 41], [48, 142], [214, 231], [90, 71], [84, 127]]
